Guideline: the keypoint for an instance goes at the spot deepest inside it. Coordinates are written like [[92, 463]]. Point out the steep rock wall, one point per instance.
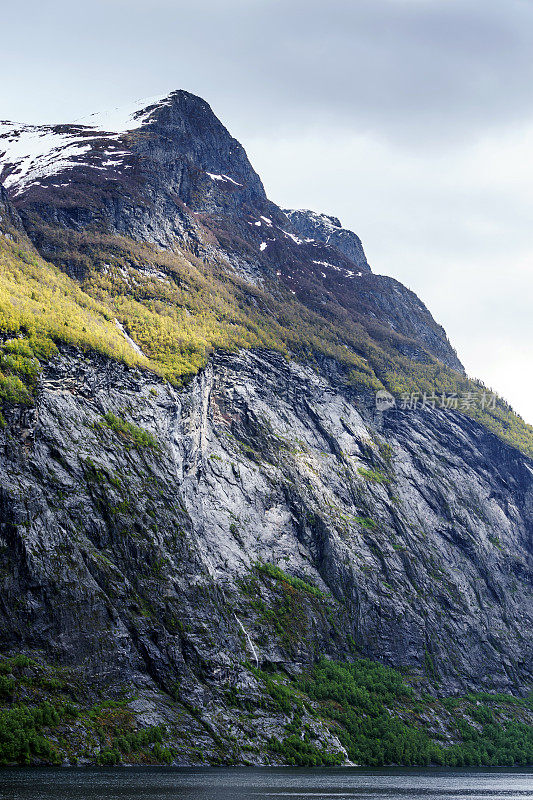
[[138, 560]]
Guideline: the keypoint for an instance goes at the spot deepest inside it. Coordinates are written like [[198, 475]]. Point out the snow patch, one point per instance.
[[262, 246], [348, 273], [325, 264], [124, 118], [215, 177], [293, 237], [32, 152]]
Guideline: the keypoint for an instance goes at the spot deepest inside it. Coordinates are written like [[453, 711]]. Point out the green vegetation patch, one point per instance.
[[131, 434], [46, 717], [23, 732], [373, 475], [297, 583], [358, 697], [366, 522], [375, 710], [297, 749], [43, 304], [20, 367], [124, 745], [380, 720], [25, 726]]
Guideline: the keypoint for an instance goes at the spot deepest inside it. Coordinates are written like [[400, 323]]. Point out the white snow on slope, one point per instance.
[[38, 151], [30, 153], [348, 273], [325, 264], [222, 178], [125, 118], [295, 239]]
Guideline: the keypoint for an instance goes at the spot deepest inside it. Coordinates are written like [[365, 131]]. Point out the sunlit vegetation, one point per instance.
[[39, 300], [129, 433], [178, 308]]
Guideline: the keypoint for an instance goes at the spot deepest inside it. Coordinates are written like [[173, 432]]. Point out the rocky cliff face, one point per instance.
[[141, 525], [329, 230], [415, 523], [137, 560], [9, 219]]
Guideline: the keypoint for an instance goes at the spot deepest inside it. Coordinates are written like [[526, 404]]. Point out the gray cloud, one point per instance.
[[421, 70]]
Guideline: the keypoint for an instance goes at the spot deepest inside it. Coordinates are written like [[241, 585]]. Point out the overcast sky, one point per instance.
[[411, 120]]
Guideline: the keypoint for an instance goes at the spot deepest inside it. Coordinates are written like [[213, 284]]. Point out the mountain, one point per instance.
[[228, 531], [175, 172]]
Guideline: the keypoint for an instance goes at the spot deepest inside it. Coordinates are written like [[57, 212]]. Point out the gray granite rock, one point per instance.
[[129, 562]]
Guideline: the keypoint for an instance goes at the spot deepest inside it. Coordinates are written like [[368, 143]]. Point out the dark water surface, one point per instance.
[[166, 783]]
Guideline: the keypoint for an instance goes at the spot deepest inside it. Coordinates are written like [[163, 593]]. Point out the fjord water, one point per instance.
[[160, 783]]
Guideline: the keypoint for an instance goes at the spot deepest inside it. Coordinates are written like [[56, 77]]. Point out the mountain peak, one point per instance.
[[125, 117], [134, 115], [165, 171], [180, 133], [327, 229]]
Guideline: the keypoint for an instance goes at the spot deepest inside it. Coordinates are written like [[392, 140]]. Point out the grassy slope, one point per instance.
[[178, 308]]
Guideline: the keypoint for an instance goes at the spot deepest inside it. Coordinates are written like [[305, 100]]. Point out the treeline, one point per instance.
[[367, 699], [22, 734], [41, 722]]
